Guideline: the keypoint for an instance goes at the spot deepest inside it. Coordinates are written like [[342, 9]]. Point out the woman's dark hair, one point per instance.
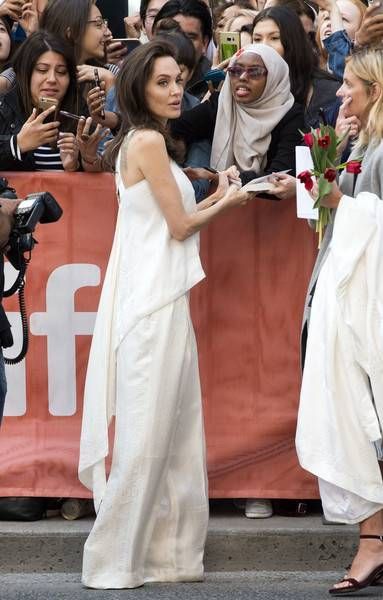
[[166, 25], [24, 63], [5, 22], [184, 49], [68, 19], [188, 8], [298, 52], [131, 85], [300, 7]]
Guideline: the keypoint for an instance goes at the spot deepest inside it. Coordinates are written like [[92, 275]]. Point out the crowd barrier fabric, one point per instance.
[[247, 315]]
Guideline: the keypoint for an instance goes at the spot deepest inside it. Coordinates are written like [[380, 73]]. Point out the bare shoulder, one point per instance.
[[148, 139]]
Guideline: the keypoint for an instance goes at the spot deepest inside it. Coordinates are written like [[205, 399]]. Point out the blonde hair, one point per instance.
[[242, 12], [367, 64]]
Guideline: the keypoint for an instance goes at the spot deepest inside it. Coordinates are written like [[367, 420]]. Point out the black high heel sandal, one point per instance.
[[373, 578]]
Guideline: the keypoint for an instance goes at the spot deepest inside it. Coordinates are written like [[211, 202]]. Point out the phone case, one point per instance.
[[229, 42]]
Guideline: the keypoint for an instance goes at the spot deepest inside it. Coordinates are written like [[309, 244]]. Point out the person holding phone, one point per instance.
[[254, 121], [194, 18], [81, 23], [152, 511], [31, 136]]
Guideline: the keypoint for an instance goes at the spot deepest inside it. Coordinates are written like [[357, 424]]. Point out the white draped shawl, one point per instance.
[[337, 420]]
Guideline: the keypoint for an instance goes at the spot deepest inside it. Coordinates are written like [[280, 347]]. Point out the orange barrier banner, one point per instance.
[[247, 315]]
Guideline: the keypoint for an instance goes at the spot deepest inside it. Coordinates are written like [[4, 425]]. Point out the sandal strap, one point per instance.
[[371, 537], [354, 582]]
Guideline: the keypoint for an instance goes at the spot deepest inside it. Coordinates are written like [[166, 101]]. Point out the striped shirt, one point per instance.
[[48, 159]]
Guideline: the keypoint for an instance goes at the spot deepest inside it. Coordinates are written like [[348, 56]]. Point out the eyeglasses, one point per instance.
[[256, 72], [99, 23]]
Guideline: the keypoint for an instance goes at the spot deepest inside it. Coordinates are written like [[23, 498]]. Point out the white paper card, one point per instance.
[[260, 184], [305, 204]]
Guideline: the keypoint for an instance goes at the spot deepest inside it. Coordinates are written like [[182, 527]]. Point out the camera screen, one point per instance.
[[228, 50], [25, 204]]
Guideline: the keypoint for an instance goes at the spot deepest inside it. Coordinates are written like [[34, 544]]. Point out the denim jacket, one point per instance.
[[338, 46]]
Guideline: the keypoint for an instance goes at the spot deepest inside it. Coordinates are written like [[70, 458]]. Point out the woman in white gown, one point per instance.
[[152, 512], [340, 422]]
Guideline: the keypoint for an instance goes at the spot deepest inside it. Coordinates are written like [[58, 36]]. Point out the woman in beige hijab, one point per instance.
[[254, 122]]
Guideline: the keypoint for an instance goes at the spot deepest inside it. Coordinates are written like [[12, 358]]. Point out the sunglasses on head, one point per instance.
[[256, 72]]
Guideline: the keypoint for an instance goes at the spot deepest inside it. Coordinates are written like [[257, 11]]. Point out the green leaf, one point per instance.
[[332, 148], [324, 187]]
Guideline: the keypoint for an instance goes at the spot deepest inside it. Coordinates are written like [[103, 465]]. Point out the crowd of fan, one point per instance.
[[68, 52], [51, 49]]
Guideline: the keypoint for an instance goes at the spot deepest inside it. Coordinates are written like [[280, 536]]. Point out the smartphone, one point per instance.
[[68, 115], [97, 83], [378, 8], [229, 42], [45, 103], [129, 43]]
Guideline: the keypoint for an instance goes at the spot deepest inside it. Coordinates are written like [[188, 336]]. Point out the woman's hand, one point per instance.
[[332, 199], [222, 65], [229, 191], [347, 124], [115, 52], [133, 26], [96, 102], [29, 19], [234, 196], [88, 143], [285, 186], [35, 132], [69, 151], [232, 173], [371, 28], [11, 8], [86, 73]]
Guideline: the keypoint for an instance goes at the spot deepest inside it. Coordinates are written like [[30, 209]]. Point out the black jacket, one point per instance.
[[12, 118], [199, 123]]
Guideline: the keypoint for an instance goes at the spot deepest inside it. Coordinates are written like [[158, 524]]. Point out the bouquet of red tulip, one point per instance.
[[323, 143]]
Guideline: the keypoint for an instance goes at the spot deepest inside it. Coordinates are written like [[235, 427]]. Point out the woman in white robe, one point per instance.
[[339, 432], [152, 511]]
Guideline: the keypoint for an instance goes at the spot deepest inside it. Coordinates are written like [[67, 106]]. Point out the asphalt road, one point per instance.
[[217, 586]]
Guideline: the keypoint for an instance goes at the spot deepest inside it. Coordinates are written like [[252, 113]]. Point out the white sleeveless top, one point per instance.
[[147, 270], [154, 268]]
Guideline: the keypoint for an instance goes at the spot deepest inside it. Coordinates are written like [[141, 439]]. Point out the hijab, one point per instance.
[[242, 132]]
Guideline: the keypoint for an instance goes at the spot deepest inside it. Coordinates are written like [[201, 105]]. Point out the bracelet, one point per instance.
[[90, 162]]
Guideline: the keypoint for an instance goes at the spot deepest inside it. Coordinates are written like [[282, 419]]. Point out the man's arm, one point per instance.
[[7, 209]]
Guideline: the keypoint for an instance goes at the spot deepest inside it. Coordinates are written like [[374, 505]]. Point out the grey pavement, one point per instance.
[[234, 544], [279, 558], [217, 586]]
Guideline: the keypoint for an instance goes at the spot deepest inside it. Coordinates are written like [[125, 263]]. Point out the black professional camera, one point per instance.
[[40, 207], [37, 208]]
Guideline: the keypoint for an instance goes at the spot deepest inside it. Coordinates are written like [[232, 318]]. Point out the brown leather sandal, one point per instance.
[[373, 578]]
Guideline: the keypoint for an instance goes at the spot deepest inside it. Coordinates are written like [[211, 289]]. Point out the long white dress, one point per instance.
[[152, 511], [341, 405]]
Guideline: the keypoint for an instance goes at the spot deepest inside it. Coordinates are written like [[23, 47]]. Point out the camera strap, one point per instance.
[[18, 286]]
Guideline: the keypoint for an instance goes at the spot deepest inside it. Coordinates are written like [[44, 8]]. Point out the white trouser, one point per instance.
[[342, 506], [153, 518]]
